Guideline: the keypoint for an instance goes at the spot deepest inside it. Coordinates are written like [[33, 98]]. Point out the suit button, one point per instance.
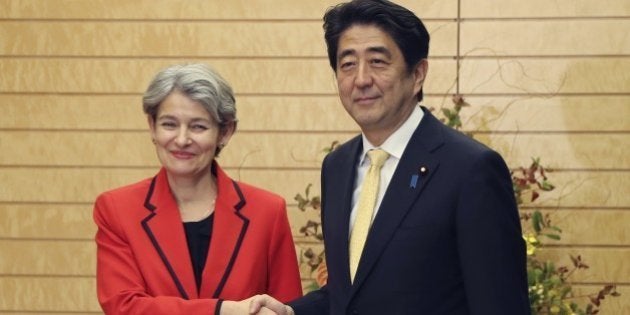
[[354, 312]]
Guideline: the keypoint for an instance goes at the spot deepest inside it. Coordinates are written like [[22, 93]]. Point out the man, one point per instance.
[[443, 234]]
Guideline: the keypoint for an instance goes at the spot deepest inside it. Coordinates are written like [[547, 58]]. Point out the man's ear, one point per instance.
[[420, 73]]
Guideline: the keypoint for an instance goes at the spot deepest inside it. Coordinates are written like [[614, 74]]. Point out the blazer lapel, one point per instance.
[[163, 225], [228, 232], [402, 192], [337, 207]]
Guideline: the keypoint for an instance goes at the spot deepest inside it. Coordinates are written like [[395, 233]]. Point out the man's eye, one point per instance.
[[378, 61], [346, 65]]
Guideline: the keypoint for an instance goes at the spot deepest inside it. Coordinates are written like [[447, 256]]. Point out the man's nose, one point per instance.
[[364, 76]]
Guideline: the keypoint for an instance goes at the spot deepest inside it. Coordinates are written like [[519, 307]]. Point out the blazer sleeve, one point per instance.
[[284, 276], [120, 285], [489, 238]]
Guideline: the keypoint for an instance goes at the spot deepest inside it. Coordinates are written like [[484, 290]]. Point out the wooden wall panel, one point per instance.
[[64, 185], [549, 76], [251, 76], [547, 79], [610, 306], [598, 259], [76, 259], [39, 295], [177, 39], [44, 258], [84, 184], [590, 227], [551, 114], [298, 150], [319, 113], [46, 221], [28, 111], [197, 9], [582, 227], [518, 37], [543, 9], [576, 189]]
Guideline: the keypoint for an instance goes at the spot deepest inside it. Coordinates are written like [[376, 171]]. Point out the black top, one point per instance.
[[198, 239]]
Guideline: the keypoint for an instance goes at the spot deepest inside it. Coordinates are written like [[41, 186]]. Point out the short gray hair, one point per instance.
[[200, 83]]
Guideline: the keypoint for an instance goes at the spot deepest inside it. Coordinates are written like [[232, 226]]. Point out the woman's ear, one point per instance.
[[151, 123], [226, 133]]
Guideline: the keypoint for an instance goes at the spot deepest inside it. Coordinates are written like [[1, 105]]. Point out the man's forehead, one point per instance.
[[364, 37]]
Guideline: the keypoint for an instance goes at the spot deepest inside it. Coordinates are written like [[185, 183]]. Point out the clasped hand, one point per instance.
[[256, 305]]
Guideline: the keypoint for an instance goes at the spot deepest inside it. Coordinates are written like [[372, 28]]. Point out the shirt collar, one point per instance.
[[396, 143]]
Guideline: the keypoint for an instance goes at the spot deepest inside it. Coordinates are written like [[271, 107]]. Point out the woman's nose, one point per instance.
[[183, 138]]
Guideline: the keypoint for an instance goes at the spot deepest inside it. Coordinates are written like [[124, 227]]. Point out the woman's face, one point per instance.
[[186, 136]]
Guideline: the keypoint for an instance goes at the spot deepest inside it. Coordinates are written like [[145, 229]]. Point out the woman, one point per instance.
[[189, 238]]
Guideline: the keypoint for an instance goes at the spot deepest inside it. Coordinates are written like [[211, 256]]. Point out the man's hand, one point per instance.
[[260, 303], [243, 308]]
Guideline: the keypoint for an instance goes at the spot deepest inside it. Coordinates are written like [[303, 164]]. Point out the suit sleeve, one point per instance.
[[315, 302], [120, 285], [489, 236], [284, 276]]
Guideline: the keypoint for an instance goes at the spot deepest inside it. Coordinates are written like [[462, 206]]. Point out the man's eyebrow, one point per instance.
[[345, 53], [376, 49], [381, 50]]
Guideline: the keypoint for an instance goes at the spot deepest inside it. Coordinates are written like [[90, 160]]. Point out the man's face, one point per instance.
[[374, 85]]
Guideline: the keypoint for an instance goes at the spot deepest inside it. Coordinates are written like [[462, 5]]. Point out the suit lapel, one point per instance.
[[229, 229], [401, 193], [337, 207], [163, 225]]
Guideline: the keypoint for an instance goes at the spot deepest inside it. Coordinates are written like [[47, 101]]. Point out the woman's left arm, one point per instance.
[[284, 276]]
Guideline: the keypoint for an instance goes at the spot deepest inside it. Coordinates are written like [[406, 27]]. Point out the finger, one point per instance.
[[265, 311], [256, 303]]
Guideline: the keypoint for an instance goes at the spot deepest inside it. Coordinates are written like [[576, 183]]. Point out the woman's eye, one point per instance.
[[168, 124], [199, 127]]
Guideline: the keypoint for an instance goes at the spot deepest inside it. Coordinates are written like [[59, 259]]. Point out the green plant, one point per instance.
[[550, 290]]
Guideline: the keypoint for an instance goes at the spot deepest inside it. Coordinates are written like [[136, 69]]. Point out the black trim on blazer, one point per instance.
[[217, 308], [147, 200], [239, 242], [147, 229]]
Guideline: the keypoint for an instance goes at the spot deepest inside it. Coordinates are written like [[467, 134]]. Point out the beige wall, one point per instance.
[[545, 78]]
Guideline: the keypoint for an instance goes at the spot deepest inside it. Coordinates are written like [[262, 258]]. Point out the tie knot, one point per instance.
[[377, 157]]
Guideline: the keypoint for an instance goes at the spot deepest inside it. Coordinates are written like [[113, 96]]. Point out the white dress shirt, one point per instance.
[[394, 145]]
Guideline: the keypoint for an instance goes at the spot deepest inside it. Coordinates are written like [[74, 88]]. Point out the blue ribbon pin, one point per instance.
[[414, 181]]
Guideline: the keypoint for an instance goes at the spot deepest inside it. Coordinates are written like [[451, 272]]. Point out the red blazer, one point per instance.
[[143, 263]]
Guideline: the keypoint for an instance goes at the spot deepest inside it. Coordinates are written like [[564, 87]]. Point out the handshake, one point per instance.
[[256, 305]]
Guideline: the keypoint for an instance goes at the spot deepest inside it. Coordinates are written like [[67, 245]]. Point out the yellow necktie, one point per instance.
[[365, 208]]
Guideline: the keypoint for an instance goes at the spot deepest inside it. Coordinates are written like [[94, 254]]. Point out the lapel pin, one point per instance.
[[423, 170], [414, 181]]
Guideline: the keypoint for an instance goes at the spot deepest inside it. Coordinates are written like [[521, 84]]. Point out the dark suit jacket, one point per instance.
[[450, 245], [143, 264]]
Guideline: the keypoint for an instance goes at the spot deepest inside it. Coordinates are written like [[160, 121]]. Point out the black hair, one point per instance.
[[404, 27]]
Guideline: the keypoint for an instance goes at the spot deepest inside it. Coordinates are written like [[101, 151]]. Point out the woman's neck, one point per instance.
[[195, 196]]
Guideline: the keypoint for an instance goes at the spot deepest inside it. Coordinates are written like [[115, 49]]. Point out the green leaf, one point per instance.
[[546, 186], [537, 220], [552, 236]]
